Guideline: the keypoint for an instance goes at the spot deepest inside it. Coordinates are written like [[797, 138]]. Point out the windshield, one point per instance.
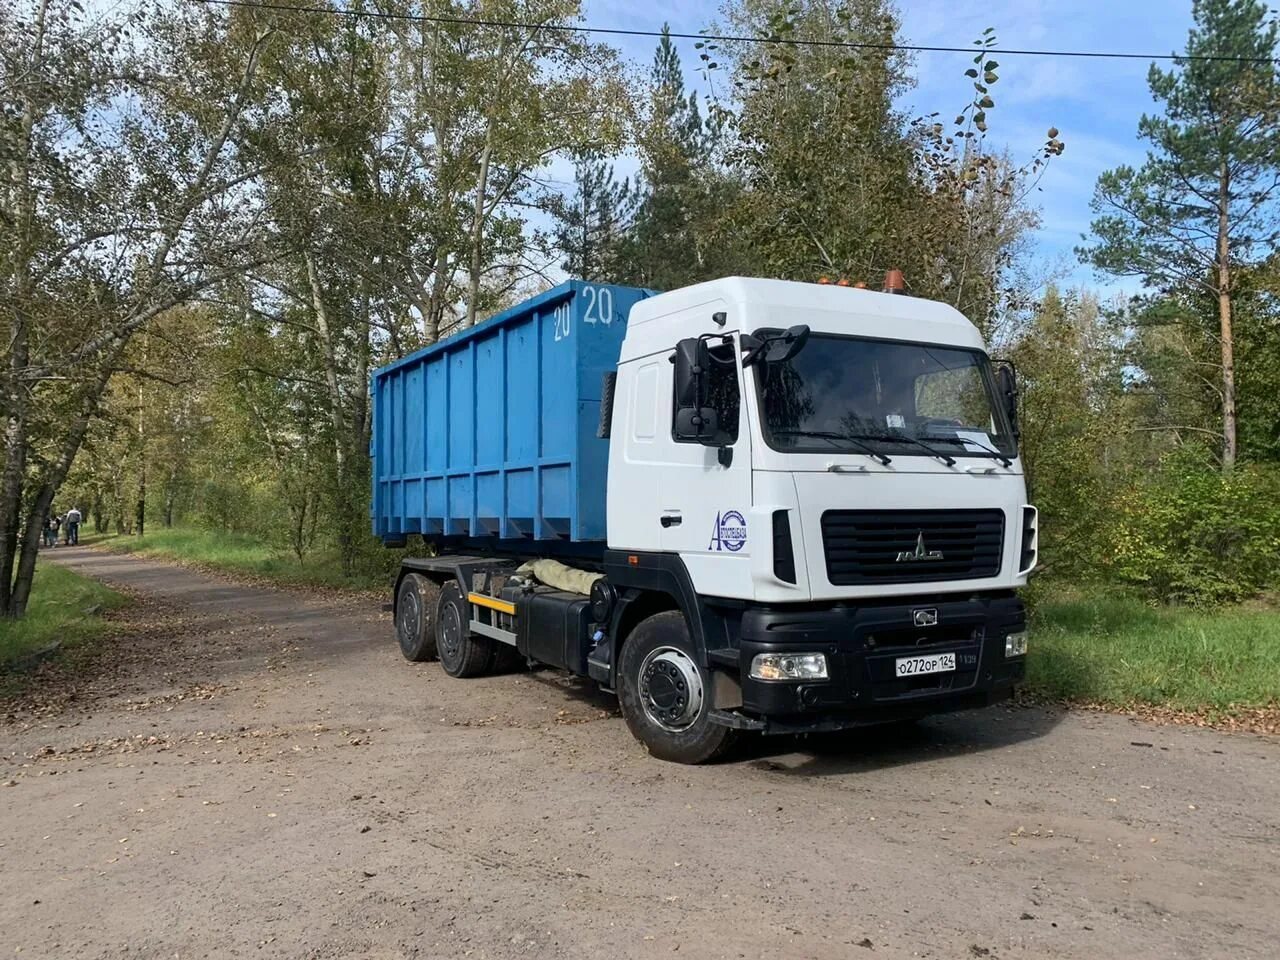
[[853, 394]]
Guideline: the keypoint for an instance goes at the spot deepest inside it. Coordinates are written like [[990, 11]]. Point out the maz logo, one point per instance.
[[729, 533], [919, 553]]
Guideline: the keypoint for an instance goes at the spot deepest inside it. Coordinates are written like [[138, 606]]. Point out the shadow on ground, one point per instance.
[[866, 749], [863, 749]]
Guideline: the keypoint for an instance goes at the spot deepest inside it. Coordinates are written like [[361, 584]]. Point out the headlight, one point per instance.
[[1015, 644], [789, 666]]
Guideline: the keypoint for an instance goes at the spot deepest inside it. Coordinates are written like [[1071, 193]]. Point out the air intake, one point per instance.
[[784, 558]]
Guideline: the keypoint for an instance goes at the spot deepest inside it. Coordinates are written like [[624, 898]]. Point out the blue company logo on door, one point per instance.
[[729, 533]]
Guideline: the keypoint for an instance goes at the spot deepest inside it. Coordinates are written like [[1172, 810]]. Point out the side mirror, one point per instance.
[[788, 345], [694, 421], [773, 346], [1007, 385], [692, 360]]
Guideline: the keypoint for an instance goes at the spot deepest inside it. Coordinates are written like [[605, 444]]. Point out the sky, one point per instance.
[[1095, 104]]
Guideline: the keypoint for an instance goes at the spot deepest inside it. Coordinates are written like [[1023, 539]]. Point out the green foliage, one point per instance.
[[1258, 361], [1192, 534], [591, 224], [1202, 209], [1095, 645], [59, 613], [672, 240], [1159, 222], [835, 181], [1074, 427], [1124, 481]]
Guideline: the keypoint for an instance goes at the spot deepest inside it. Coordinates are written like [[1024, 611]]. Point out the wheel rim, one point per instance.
[[450, 633], [410, 617], [671, 689]]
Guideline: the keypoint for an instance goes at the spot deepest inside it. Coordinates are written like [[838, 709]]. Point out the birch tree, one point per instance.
[[123, 198]]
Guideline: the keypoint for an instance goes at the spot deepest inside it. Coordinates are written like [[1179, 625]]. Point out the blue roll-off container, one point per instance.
[[491, 434]]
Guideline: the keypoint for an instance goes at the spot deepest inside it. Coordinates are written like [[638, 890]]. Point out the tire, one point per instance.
[[665, 694], [461, 654], [416, 600]]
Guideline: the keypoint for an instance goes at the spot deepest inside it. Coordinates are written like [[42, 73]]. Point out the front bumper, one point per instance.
[[862, 644]]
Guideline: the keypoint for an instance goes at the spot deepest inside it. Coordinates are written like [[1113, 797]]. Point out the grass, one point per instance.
[[244, 555], [1090, 645], [57, 613]]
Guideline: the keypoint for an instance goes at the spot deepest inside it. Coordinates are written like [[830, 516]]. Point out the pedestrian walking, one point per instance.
[[50, 531], [73, 527]]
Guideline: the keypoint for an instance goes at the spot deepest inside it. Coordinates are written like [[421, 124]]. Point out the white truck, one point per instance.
[[803, 510]]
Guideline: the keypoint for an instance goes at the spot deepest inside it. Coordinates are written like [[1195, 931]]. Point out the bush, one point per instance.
[[1195, 535]]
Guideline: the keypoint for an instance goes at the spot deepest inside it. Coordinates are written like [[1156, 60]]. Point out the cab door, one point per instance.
[[706, 490]]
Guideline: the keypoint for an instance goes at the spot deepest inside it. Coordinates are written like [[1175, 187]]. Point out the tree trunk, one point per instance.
[[11, 507], [477, 233], [53, 478], [170, 494], [15, 428], [299, 513], [140, 512], [1224, 324], [439, 294], [140, 509], [338, 419]]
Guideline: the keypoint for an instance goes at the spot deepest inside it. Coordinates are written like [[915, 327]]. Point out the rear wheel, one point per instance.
[[416, 600], [665, 694], [461, 654]]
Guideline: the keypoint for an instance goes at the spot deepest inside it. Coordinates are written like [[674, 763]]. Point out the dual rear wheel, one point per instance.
[[432, 623]]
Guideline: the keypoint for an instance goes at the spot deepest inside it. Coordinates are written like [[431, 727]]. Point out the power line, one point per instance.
[[726, 38]]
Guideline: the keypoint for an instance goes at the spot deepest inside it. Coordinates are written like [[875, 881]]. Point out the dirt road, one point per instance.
[[255, 773]]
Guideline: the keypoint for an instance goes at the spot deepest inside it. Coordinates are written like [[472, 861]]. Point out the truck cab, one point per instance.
[[852, 514], [816, 519]]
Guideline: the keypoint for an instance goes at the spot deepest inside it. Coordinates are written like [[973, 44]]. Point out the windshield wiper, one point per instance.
[[946, 458], [1004, 461], [834, 437]]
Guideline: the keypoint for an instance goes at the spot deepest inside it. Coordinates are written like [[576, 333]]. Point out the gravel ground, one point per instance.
[[245, 772]]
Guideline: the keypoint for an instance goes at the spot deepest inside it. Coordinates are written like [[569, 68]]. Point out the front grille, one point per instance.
[[864, 546]]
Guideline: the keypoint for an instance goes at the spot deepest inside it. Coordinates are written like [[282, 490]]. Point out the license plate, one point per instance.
[[915, 666]]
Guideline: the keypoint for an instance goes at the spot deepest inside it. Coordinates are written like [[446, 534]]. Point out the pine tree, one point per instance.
[[590, 224], [1203, 205], [662, 250]]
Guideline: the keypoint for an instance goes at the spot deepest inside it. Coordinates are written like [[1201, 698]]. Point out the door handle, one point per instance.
[[670, 519]]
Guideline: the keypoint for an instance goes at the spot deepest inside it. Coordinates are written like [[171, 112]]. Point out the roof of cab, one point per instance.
[[860, 312]]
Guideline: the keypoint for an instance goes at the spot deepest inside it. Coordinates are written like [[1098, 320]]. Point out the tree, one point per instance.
[[126, 198], [1075, 424], [823, 154], [1202, 206], [837, 182], [668, 246], [591, 224]]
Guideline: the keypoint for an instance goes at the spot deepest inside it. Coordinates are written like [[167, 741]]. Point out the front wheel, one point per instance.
[[665, 694]]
